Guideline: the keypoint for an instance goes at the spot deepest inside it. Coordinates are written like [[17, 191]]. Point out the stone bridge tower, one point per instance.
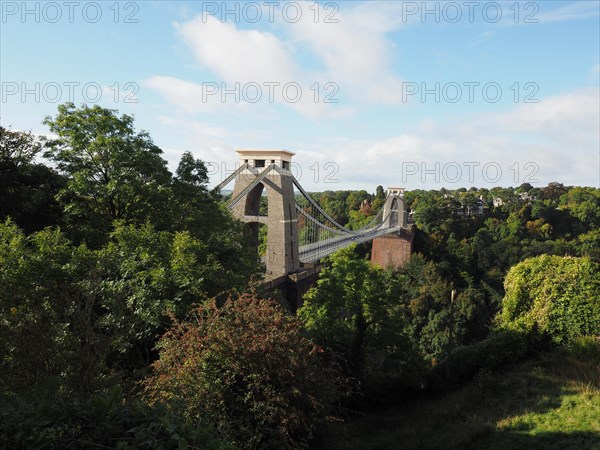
[[394, 211], [281, 256]]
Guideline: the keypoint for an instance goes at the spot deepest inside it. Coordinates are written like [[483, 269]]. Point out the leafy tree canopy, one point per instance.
[[355, 309], [113, 172], [553, 295]]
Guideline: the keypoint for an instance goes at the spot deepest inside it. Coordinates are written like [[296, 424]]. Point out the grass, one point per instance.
[[550, 403]]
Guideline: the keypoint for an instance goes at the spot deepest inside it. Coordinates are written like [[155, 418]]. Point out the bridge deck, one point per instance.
[[314, 252]]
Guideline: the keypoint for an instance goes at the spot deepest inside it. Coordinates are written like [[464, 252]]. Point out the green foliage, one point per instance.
[[355, 309], [27, 189], [433, 211], [583, 203], [440, 318], [147, 277], [86, 303], [46, 311], [86, 310], [345, 206], [435, 324], [355, 199], [116, 177], [379, 199], [589, 244], [113, 172], [334, 204], [474, 252], [497, 351], [359, 219], [245, 369], [552, 295], [18, 147], [44, 419]]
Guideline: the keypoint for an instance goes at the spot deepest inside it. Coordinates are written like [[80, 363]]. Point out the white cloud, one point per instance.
[[204, 140], [557, 138], [354, 50], [235, 54], [559, 134], [199, 128], [184, 95], [246, 58], [353, 53]]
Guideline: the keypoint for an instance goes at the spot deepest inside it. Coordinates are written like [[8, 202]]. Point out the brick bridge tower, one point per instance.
[[281, 256], [394, 250]]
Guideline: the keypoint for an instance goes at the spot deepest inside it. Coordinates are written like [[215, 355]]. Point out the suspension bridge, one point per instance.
[[299, 231]]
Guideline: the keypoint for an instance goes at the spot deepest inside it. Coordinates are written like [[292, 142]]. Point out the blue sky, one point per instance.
[[512, 88]]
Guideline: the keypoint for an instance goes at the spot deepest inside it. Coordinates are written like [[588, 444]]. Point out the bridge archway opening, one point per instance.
[[256, 209], [257, 201], [394, 212]]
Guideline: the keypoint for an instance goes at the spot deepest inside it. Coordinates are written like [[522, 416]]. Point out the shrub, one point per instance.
[[499, 350], [555, 296], [44, 419], [586, 348], [245, 369]]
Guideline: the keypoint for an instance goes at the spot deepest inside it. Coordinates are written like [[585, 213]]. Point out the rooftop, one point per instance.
[[256, 153]]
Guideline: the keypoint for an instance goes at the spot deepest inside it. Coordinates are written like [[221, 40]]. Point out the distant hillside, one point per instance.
[[551, 403]]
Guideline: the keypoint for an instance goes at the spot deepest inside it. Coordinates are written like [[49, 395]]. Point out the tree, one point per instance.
[[355, 199], [359, 219], [589, 244], [17, 147], [87, 313], [113, 172], [553, 295], [525, 187], [246, 369], [149, 275], [379, 199], [553, 191], [196, 210], [469, 202], [434, 323], [583, 203], [117, 177], [355, 309], [48, 307], [433, 212], [27, 189]]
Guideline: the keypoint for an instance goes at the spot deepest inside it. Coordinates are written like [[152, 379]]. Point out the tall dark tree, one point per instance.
[[27, 188]]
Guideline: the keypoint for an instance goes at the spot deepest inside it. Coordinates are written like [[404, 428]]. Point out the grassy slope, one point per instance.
[[552, 403]]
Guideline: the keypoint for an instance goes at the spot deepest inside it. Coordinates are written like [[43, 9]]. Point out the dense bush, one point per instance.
[[246, 370], [46, 318], [553, 295], [498, 350], [84, 314], [44, 419]]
